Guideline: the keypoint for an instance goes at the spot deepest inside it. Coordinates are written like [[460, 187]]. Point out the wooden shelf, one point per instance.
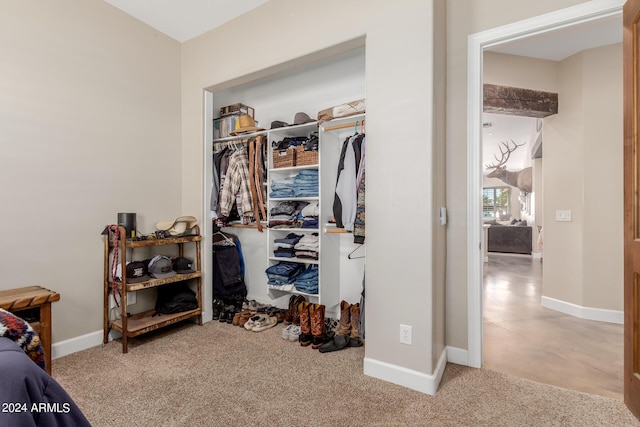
[[144, 322], [159, 282], [130, 243]]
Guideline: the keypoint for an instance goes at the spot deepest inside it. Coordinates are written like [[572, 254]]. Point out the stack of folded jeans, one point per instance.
[[282, 188], [283, 275], [306, 183], [307, 281]]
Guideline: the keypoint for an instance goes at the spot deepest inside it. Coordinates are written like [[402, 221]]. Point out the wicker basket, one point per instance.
[[304, 158], [284, 158]]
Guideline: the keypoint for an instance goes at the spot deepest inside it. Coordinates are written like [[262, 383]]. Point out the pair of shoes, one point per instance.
[[348, 333], [218, 308], [291, 333], [291, 315], [260, 322], [243, 316]]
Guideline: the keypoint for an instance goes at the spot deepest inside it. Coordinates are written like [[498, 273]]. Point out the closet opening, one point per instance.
[[281, 94]]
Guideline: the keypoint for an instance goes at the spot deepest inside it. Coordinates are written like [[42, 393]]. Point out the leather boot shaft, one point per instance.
[[305, 324], [318, 330], [354, 340], [344, 327]]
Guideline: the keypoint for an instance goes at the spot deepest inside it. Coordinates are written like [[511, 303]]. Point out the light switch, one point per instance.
[[563, 215]]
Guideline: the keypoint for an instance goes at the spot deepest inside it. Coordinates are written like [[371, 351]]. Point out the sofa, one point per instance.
[[514, 238]]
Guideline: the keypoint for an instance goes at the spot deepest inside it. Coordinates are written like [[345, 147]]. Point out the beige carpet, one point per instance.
[[223, 375]]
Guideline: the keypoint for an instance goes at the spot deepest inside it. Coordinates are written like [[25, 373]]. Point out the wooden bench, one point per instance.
[[33, 298]]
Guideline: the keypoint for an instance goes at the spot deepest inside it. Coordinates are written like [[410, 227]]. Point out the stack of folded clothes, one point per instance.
[[304, 184], [287, 214], [285, 247], [283, 275], [307, 246], [307, 281], [310, 215]]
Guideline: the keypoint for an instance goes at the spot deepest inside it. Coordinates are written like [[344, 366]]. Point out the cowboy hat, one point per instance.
[[178, 225], [245, 124]]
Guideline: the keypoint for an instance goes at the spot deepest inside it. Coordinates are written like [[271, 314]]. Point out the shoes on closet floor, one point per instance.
[[265, 322], [291, 333]]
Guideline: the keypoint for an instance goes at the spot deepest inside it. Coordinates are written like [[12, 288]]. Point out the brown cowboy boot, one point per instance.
[[341, 338], [305, 337], [318, 330], [354, 338], [295, 315]]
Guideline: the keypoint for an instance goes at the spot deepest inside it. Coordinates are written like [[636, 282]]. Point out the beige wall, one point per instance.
[[464, 18], [403, 186], [90, 119], [582, 150]]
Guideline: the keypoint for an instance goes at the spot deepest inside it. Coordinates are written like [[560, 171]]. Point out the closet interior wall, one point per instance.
[[308, 89]]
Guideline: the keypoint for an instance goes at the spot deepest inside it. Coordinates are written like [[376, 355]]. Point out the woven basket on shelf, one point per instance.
[[284, 158], [304, 158]]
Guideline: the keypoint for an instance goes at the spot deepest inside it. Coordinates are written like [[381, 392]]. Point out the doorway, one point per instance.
[[546, 26]]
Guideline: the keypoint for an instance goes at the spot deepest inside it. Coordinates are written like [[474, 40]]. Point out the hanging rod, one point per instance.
[[344, 126]]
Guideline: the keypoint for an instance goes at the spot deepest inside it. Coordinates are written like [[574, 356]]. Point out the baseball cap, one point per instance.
[[161, 267], [182, 265], [137, 272]]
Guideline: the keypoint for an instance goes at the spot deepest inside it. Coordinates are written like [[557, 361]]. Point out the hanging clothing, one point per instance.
[[345, 200], [358, 224], [237, 184], [228, 267]]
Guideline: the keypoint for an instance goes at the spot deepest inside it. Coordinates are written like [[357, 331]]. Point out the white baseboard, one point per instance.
[[459, 356], [587, 313], [72, 345], [409, 378]]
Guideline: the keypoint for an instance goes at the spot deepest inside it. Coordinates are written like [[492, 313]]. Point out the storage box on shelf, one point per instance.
[[140, 323]]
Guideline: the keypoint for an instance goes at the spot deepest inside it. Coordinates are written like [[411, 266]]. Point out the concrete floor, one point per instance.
[[523, 339]]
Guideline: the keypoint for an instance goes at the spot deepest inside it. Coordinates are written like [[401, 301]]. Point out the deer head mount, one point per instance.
[[520, 179]]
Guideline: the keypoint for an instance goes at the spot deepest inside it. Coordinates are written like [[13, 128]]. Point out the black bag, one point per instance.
[[175, 298]]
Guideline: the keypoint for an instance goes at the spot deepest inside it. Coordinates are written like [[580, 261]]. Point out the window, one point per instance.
[[495, 202]]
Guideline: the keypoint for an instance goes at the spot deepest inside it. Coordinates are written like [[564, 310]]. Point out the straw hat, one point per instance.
[[245, 124], [178, 225]]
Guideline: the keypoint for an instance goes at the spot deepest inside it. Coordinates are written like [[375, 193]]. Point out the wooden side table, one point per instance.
[[38, 299]]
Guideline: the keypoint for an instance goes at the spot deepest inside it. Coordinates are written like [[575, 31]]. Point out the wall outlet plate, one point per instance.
[[405, 334]]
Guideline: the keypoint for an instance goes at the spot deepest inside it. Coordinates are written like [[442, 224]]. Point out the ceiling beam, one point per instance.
[[516, 101]]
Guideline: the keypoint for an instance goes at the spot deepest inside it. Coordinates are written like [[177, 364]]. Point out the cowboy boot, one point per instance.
[[341, 338], [354, 338], [305, 337], [288, 315], [318, 330], [295, 315]]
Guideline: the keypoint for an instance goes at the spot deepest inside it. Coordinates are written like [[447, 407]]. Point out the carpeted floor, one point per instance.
[[223, 375]]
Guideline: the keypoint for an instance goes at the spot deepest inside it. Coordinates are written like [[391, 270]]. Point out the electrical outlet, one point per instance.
[[131, 299], [405, 334]]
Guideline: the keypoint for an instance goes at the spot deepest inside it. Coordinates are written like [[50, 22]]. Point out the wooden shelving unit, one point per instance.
[[140, 323]]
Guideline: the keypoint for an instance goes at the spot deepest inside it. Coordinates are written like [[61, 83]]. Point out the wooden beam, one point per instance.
[[516, 101]]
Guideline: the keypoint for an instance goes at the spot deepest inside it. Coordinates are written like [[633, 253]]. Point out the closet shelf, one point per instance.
[[298, 260], [294, 199], [293, 291], [293, 168], [296, 230]]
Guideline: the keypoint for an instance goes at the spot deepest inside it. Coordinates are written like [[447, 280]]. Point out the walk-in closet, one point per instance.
[[276, 102]]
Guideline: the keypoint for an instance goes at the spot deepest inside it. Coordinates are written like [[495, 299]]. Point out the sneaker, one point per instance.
[[294, 333], [286, 331]]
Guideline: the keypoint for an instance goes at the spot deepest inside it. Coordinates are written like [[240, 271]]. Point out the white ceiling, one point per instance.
[[185, 19]]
